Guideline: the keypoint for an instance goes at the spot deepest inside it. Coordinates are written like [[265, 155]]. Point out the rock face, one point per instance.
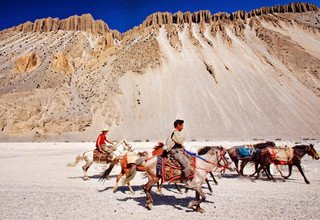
[[239, 76], [206, 16], [61, 64], [74, 23], [27, 63]]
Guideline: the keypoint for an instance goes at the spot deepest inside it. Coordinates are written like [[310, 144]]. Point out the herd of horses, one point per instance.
[[207, 160]]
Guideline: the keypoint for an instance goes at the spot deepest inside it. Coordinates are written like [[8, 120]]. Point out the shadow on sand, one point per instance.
[[158, 200], [96, 176]]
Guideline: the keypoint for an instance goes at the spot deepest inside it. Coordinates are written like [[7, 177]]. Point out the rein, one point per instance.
[[207, 161]]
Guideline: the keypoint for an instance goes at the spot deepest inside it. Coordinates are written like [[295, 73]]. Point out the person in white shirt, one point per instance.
[[175, 147]]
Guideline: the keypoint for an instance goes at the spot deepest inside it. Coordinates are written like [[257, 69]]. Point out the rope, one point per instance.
[[201, 158]]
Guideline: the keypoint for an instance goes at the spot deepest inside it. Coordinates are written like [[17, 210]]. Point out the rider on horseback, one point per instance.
[[101, 143], [175, 147]]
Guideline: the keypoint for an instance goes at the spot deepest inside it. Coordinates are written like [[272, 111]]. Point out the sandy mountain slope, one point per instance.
[[245, 75]]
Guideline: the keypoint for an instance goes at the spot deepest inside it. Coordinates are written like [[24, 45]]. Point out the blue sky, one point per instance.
[[118, 14]]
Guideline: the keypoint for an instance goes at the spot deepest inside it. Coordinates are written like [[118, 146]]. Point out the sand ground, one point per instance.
[[36, 184]]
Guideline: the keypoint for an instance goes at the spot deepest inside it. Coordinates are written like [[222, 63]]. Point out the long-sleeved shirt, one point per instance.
[[174, 138]]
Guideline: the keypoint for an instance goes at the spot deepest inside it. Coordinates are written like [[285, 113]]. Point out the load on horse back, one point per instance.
[[127, 162], [204, 162], [285, 156], [94, 156], [131, 163], [247, 154]]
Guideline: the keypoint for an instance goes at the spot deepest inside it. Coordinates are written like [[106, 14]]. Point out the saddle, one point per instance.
[[101, 157], [244, 152], [281, 155], [169, 169]]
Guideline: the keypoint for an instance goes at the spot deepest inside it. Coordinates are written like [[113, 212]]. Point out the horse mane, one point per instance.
[[301, 146], [204, 150], [265, 144], [160, 145]]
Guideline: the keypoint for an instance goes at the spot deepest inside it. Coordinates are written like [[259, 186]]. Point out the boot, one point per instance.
[[185, 176]]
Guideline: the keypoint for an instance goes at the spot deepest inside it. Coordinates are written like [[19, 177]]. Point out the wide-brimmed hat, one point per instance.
[[105, 129]]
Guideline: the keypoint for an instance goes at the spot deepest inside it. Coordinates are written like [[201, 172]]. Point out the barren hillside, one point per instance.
[[245, 75]]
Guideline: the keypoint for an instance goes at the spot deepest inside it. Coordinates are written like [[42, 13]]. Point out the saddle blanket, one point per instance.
[[281, 155], [132, 157], [170, 170], [99, 157], [245, 152]]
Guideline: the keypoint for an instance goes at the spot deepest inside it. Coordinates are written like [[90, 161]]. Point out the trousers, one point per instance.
[[183, 160]]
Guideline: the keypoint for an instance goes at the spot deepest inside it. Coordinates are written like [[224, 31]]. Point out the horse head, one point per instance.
[[122, 146], [312, 152], [211, 155]]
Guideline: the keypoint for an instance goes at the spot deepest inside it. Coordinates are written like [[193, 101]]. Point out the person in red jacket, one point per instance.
[[101, 143]]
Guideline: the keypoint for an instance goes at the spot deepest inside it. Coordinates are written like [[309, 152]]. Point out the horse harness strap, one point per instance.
[[201, 158]]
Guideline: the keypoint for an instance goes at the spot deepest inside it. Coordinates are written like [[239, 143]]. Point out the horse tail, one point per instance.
[[160, 145], [76, 161], [131, 175], [106, 173]]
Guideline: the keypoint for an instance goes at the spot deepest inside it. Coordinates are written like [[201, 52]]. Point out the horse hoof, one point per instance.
[[85, 178], [114, 189], [133, 192], [190, 205], [201, 210], [149, 206], [307, 182]]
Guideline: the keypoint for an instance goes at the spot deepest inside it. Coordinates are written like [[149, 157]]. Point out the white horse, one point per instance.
[[122, 147]]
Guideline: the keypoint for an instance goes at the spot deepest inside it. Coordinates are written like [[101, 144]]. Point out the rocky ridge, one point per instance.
[[65, 79]]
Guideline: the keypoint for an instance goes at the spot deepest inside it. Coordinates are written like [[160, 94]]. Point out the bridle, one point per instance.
[[207, 161]]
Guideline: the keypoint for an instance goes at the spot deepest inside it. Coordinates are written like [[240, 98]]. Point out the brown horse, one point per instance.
[[207, 159], [233, 153], [125, 169], [267, 157]]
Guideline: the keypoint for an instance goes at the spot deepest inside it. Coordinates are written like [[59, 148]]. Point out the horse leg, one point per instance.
[[201, 198], [194, 202], [268, 173], [117, 181], [214, 179], [237, 168], [243, 164], [130, 188], [209, 187], [159, 186], [258, 171], [283, 179], [86, 167], [147, 190], [179, 189], [302, 173], [256, 165], [290, 171]]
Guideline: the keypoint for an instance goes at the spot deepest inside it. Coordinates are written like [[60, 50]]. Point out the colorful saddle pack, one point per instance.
[[170, 170], [244, 152], [281, 155], [101, 157]]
